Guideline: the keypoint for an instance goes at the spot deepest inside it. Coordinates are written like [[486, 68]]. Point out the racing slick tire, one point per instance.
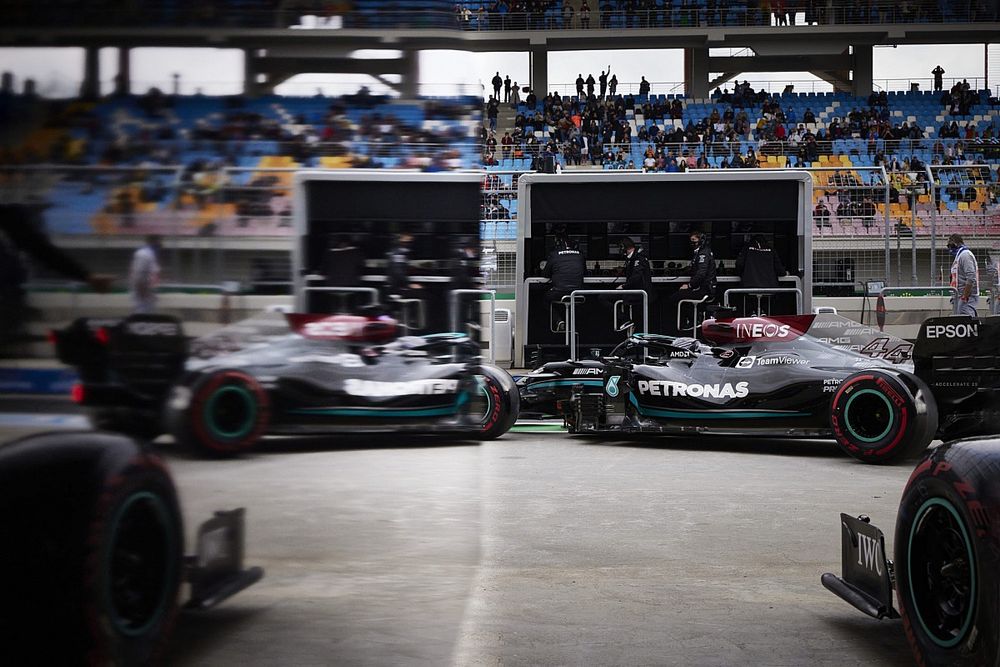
[[133, 423], [881, 415], [947, 555], [93, 556], [501, 405], [220, 414]]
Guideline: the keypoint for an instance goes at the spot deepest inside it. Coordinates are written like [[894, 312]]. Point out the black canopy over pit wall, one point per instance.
[[402, 239], [658, 212]]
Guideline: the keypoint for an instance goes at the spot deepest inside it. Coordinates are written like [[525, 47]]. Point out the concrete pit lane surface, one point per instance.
[[538, 549]]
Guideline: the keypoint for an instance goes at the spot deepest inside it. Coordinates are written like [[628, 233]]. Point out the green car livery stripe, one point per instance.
[[564, 383], [379, 412], [714, 414]]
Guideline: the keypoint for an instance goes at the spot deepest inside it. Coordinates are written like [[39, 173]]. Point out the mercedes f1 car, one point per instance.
[[946, 566], [286, 374], [783, 376], [93, 556]]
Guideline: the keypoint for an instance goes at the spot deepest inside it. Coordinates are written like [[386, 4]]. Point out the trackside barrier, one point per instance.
[[952, 292], [584, 292], [453, 308]]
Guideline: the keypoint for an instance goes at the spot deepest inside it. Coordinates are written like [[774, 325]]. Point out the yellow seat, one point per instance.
[[963, 206]]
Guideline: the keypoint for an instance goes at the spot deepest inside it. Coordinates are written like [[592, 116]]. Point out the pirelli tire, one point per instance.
[[94, 551], [947, 555], [883, 415], [219, 414], [501, 402]]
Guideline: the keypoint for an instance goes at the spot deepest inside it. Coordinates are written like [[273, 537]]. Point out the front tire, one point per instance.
[[947, 555], [881, 415], [500, 402], [222, 414], [95, 551]]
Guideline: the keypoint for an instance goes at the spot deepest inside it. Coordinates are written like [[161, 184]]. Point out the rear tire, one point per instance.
[[881, 415], [222, 414], [947, 555], [501, 403]]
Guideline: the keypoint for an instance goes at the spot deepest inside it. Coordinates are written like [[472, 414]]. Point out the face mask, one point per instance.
[[694, 245]]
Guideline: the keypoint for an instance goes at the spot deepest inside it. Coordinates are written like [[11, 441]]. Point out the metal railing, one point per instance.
[[595, 292]]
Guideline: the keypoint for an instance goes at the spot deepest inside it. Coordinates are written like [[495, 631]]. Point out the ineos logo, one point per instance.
[[152, 328], [761, 330], [953, 331], [327, 329]]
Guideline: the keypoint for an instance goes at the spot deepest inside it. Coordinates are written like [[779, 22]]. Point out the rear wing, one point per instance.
[[959, 358], [144, 353]]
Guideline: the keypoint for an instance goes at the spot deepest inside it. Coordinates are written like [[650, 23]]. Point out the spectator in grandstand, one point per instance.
[[964, 276], [515, 95], [590, 85], [506, 89], [506, 145], [759, 266], [144, 275], [808, 116], [492, 110], [565, 268], [579, 84], [701, 283], [821, 215], [603, 80], [644, 88], [567, 15], [584, 15], [867, 212], [613, 84], [497, 82]]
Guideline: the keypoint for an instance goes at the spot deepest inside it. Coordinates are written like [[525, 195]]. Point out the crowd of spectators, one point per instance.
[[593, 127]]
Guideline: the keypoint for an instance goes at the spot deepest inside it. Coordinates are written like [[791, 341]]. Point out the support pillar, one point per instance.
[[256, 80], [861, 82], [696, 72], [123, 80], [539, 72], [409, 86], [90, 89]]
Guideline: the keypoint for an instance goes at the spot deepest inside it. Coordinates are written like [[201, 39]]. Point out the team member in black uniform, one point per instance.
[[638, 275], [702, 282], [565, 268], [758, 266]]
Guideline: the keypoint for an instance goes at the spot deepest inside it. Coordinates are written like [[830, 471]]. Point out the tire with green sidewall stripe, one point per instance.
[[947, 555], [882, 415], [96, 557], [226, 414], [502, 402]]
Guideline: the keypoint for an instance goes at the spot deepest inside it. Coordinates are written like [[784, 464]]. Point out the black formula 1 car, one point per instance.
[[283, 374], [774, 376], [946, 566], [93, 557]]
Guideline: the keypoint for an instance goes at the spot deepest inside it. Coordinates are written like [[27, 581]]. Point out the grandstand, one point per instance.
[[904, 165]]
